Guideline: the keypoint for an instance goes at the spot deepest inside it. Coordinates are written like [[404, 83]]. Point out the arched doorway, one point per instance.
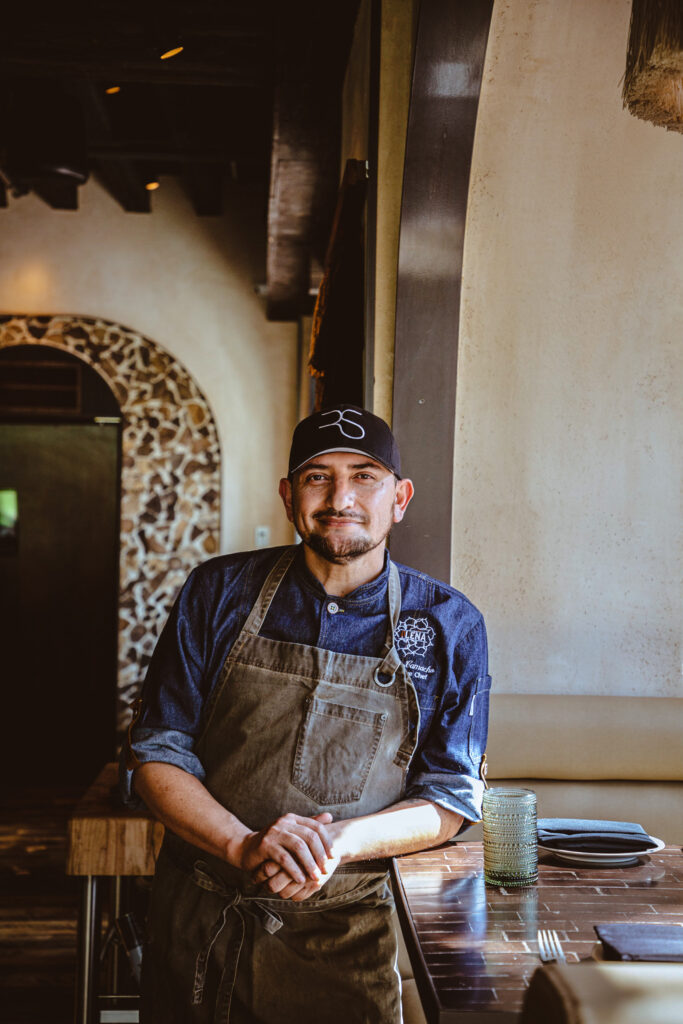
[[59, 501], [170, 473]]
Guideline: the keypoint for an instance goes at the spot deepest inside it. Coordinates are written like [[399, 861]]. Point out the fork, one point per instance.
[[549, 947]]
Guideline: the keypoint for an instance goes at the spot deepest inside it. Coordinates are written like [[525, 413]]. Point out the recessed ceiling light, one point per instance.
[[112, 89], [172, 52], [152, 185]]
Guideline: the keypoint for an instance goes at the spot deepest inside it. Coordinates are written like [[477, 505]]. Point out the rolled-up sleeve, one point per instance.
[[447, 765], [167, 722]]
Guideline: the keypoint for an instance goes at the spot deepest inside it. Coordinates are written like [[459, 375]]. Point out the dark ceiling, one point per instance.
[[253, 99]]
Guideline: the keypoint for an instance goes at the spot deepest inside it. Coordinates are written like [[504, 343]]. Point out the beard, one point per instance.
[[340, 550]]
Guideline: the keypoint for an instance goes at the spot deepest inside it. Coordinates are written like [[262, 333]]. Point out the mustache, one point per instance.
[[332, 513]]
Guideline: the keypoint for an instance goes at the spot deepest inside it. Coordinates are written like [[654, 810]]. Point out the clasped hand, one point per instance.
[[293, 856]]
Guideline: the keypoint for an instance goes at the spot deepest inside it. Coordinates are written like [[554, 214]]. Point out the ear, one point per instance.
[[285, 490], [404, 494]]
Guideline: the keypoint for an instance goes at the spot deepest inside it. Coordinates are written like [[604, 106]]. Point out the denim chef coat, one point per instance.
[[441, 639]]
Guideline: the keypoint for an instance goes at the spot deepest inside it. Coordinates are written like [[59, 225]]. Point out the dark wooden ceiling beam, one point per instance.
[[294, 172], [205, 186], [219, 92], [60, 195], [116, 173], [303, 187], [203, 183], [123, 186], [314, 41], [149, 72], [147, 151], [204, 116]]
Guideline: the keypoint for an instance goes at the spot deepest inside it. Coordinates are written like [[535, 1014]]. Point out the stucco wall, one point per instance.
[[187, 283], [568, 443]]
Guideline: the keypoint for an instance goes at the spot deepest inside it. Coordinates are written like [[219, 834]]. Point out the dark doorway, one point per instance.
[[59, 482]]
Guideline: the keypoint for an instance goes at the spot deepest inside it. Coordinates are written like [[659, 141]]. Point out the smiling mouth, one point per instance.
[[335, 520]]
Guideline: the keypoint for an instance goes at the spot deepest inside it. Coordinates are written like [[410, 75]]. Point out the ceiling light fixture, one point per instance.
[[171, 53], [112, 89], [151, 186]]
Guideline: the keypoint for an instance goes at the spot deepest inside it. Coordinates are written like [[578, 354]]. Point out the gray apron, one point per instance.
[[300, 729]]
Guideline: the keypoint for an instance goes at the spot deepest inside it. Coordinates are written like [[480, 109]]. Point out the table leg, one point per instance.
[[88, 952], [115, 911]]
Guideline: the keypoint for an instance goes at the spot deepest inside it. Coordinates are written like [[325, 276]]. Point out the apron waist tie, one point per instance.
[[205, 879]]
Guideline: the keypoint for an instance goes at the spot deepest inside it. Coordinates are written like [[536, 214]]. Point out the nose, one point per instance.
[[342, 494]]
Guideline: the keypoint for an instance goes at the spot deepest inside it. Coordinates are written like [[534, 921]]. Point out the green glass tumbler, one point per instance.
[[510, 837]]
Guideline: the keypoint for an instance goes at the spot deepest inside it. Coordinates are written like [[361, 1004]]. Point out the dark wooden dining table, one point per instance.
[[473, 947]]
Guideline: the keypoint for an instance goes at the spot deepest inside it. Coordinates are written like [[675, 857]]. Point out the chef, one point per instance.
[[309, 711]]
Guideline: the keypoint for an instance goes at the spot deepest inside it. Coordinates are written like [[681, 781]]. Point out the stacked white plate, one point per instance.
[[590, 858]]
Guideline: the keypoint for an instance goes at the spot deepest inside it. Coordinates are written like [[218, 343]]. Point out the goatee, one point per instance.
[[340, 551]]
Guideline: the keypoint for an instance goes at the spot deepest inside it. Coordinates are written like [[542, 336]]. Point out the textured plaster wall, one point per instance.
[[187, 283], [568, 445]]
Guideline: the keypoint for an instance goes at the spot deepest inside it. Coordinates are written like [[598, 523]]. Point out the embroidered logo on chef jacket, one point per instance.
[[414, 637]]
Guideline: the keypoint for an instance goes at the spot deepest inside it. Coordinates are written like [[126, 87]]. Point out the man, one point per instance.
[[308, 711]]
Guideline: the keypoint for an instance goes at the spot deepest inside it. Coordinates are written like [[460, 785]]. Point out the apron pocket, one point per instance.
[[335, 749]]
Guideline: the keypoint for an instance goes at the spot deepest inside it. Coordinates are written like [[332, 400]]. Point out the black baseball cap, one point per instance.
[[344, 428]]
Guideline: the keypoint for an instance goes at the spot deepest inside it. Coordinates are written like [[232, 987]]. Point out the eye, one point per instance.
[[314, 478]]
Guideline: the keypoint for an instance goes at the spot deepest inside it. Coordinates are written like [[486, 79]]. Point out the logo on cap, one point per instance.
[[342, 422]]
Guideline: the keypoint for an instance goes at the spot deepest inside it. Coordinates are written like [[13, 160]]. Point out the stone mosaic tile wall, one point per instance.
[[170, 476]]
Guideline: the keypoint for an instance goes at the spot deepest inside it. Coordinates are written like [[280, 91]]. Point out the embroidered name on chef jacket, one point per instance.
[[414, 638]]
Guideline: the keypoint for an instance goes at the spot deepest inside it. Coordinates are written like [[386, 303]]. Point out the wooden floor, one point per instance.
[[38, 908]]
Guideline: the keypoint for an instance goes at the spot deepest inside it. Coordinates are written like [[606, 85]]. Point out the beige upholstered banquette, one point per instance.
[[593, 757]]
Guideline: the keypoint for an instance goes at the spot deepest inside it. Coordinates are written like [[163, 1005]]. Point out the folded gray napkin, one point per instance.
[[661, 943], [588, 836]]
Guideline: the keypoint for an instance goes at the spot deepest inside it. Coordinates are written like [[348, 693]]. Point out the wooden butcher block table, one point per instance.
[[107, 844]]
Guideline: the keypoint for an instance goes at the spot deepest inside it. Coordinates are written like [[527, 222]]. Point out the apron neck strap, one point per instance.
[[263, 602], [394, 591], [385, 672]]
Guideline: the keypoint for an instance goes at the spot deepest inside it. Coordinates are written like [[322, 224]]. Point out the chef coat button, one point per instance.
[[333, 607]]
